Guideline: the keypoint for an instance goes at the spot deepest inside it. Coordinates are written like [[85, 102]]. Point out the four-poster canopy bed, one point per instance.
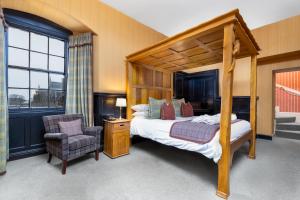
[[222, 39]]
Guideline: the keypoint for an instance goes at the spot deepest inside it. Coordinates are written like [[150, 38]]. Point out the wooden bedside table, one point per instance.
[[116, 138]]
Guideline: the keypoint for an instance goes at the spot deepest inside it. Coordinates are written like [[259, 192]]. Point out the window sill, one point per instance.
[[34, 110]]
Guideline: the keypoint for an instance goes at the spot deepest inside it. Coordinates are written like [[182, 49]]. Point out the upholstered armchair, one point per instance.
[[68, 147]]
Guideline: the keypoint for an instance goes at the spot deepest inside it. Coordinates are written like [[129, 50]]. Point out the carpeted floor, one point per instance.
[[154, 171]]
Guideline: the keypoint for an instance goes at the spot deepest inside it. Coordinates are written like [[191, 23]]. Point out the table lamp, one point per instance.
[[121, 102]]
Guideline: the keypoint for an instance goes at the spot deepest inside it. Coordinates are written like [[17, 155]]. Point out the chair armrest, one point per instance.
[[57, 144], [55, 136], [93, 131]]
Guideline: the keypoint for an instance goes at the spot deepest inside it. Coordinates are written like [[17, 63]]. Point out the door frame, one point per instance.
[[274, 72]]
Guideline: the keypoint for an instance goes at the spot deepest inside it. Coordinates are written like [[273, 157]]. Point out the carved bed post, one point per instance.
[[253, 103], [130, 74], [226, 109]]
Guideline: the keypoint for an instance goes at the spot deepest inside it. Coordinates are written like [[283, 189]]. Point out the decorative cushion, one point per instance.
[[71, 128], [187, 110], [140, 107], [177, 106], [154, 107], [167, 112], [79, 141]]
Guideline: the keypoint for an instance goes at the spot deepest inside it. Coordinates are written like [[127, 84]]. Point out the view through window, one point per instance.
[[36, 70]]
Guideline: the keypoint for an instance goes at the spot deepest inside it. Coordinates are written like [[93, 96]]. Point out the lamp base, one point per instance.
[[120, 113]]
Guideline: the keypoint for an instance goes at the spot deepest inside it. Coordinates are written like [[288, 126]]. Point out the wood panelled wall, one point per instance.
[[151, 83], [144, 82], [117, 35]]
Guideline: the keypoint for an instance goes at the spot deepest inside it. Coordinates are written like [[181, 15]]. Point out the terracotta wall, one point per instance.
[[287, 91], [117, 35]]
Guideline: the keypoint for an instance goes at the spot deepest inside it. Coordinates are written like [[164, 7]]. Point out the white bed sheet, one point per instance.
[[159, 130]]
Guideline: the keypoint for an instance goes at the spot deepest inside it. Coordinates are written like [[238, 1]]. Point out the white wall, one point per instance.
[[289, 114]]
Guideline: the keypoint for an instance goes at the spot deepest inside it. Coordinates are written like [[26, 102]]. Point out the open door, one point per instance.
[[287, 103]]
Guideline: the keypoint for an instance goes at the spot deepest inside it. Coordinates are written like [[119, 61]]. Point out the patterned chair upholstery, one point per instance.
[[70, 147]]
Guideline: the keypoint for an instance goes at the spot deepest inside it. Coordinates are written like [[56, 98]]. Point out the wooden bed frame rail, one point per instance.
[[222, 39]]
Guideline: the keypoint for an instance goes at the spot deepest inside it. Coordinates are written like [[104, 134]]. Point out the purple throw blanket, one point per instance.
[[200, 133]]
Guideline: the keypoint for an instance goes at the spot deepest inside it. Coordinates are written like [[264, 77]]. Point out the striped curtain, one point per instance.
[[79, 87], [3, 100]]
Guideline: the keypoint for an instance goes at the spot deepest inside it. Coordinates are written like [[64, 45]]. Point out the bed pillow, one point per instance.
[[71, 128], [167, 112], [154, 107], [140, 107], [187, 110], [140, 114], [177, 106]]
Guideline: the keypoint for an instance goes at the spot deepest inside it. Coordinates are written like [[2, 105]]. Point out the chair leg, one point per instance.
[[64, 167], [49, 157], [97, 154]]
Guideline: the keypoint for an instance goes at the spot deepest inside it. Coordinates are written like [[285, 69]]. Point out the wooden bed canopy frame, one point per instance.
[[222, 39]]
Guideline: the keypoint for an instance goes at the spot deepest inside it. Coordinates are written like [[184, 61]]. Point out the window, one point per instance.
[[36, 70]]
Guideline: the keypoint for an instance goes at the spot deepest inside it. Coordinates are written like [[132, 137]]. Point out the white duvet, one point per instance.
[[159, 130]]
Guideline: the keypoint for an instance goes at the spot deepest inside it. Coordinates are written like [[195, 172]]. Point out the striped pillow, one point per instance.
[[177, 106], [154, 107], [167, 112]]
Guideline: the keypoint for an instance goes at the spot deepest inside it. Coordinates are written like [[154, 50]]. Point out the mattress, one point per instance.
[[158, 130]]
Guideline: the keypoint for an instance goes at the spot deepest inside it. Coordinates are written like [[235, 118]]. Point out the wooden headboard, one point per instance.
[[145, 82]]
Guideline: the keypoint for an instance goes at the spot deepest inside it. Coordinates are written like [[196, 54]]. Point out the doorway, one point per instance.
[[286, 102]]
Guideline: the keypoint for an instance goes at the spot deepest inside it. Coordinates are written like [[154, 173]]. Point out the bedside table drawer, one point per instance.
[[121, 126]]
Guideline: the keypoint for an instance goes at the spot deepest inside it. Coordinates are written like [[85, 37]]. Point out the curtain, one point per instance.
[[3, 99], [79, 87]]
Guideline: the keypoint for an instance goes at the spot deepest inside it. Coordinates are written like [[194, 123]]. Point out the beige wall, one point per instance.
[[278, 38], [241, 84], [117, 34], [274, 39]]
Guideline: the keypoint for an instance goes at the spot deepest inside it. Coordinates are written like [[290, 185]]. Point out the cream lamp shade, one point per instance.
[[121, 102]]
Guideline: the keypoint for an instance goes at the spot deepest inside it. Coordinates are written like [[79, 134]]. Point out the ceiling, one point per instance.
[[174, 16]]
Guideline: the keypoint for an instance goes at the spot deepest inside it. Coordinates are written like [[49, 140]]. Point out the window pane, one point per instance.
[[18, 38], [56, 47], [18, 98], [18, 78], [38, 60], [56, 82], [57, 98], [39, 80], [56, 64], [39, 42], [39, 98], [18, 57]]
